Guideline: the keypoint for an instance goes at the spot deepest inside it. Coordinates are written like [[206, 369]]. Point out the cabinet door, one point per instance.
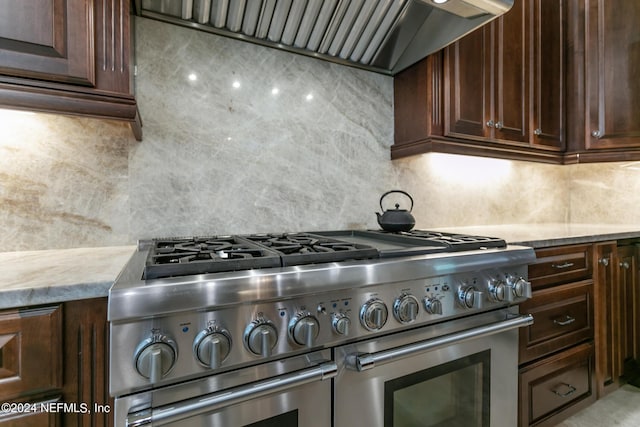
[[469, 73], [548, 70], [511, 75], [607, 318], [612, 66], [26, 336], [628, 313], [47, 40]]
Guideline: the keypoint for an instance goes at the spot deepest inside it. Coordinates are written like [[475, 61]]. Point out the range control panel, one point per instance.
[[187, 345]]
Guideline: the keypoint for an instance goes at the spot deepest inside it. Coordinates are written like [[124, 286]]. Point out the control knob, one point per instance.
[[433, 305], [155, 356], [373, 314], [260, 337], [405, 308], [212, 346], [499, 291], [519, 287], [469, 297], [304, 329], [341, 323]]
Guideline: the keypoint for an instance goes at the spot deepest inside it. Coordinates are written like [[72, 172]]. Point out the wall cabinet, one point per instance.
[[501, 91], [68, 56], [550, 81], [603, 81], [56, 354]]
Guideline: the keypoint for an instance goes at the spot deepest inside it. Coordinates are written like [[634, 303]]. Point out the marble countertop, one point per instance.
[[551, 234], [49, 276], [42, 277]]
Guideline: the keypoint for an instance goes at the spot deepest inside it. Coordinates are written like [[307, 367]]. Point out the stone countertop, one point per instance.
[[50, 276], [550, 234], [42, 277]]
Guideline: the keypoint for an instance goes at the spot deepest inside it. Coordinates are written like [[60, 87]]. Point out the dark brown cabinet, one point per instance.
[[556, 356], [487, 81], [496, 92], [68, 56], [617, 306], [56, 355], [605, 113]]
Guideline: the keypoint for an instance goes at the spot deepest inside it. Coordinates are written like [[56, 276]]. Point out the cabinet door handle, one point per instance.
[[490, 123], [537, 132], [624, 265], [498, 125], [567, 320], [596, 134], [563, 265], [604, 261], [570, 390]]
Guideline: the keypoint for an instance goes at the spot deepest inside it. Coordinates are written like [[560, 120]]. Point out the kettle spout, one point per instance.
[[379, 217]]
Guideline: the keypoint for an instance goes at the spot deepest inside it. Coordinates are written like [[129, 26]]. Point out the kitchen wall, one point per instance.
[[240, 138]]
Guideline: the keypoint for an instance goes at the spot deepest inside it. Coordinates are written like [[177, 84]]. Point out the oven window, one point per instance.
[[289, 419], [448, 395]]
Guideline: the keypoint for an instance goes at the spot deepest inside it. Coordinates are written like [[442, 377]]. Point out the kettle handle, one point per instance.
[[396, 191]]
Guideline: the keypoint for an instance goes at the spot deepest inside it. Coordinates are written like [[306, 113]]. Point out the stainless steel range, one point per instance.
[[342, 328]]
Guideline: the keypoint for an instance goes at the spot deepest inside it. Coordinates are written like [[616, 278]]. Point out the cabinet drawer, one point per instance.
[[30, 351], [562, 317], [551, 387], [561, 265]]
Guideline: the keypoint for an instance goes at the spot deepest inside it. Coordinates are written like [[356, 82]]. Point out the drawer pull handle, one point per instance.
[[563, 265], [624, 265], [567, 321], [570, 391]]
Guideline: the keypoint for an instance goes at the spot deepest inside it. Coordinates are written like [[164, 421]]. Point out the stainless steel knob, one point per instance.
[[625, 265], [406, 308], [498, 291], [519, 287], [604, 261], [155, 356], [469, 297], [537, 132], [211, 347], [596, 134], [498, 125], [260, 337], [490, 123], [373, 314], [433, 305], [304, 329], [341, 323]]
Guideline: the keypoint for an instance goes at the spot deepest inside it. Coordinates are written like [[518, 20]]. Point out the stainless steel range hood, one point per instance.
[[385, 36]]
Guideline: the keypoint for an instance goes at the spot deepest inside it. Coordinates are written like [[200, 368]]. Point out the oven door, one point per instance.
[[293, 392], [459, 373]]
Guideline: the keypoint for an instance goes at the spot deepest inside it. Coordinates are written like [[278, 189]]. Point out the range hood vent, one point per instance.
[[385, 36]]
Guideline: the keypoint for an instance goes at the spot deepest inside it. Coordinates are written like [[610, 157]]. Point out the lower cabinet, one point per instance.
[[557, 386], [556, 352], [54, 365]]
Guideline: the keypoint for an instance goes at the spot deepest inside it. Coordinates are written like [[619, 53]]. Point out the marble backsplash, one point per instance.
[[240, 138]]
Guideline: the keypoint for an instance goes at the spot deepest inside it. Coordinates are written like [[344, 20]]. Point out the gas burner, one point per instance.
[[308, 248], [199, 255]]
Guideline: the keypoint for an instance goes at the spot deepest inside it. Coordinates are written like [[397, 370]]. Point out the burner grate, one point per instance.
[[199, 255]]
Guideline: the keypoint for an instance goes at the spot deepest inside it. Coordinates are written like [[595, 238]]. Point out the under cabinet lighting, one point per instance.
[[440, 1]]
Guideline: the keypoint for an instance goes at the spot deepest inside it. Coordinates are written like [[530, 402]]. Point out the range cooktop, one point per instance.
[[182, 256]]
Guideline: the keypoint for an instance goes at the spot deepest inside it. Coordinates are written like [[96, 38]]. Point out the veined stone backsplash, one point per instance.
[[240, 139]]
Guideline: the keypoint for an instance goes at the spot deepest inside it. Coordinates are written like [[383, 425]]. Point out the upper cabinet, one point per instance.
[[550, 81], [502, 90], [68, 56], [487, 81], [605, 115]]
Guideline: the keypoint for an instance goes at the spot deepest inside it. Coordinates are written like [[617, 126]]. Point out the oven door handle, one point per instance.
[[364, 361], [162, 415]]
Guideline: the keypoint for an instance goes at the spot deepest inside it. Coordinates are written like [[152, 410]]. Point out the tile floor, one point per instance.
[[620, 408]]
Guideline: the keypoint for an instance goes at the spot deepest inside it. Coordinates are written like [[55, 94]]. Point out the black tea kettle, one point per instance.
[[396, 219]]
